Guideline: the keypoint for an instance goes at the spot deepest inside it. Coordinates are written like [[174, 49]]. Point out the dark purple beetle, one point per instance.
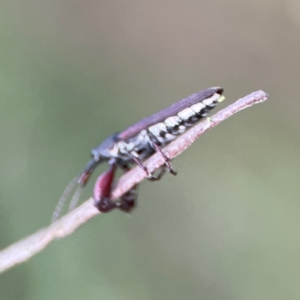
[[137, 143]]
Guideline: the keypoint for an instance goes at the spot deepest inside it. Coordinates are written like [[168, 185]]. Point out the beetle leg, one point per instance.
[[102, 190], [125, 168], [140, 164], [128, 200], [150, 176], [160, 173], [167, 160]]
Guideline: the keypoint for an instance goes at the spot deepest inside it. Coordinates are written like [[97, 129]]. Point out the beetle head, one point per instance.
[[104, 150]]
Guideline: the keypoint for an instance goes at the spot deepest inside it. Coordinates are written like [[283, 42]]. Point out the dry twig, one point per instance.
[[29, 246]]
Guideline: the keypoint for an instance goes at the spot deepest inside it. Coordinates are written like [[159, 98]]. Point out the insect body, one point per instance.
[[138, 142]]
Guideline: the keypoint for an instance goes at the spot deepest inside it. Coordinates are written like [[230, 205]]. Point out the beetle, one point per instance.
[[137, 143]]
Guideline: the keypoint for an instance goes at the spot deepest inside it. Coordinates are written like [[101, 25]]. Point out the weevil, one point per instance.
[[137, 143]]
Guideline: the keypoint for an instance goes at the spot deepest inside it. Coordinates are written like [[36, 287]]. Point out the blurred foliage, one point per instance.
[[73, 72]]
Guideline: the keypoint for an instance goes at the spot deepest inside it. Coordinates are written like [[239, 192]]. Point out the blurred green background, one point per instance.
[[73, 72]]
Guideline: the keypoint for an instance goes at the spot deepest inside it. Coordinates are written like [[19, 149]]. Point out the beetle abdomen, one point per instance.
[[166, 131]]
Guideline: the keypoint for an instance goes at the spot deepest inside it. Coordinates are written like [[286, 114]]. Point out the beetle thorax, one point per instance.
[[138, 146]]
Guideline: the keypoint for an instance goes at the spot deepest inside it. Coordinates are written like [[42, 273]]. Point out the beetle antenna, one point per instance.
[[80, 181], [75, 197], [63, 199]]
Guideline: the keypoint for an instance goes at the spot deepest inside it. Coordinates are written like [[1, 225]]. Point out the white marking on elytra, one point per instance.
[[182, 129], [162, 127], [198, 107], [160, 140], [170, 137], [207, 102], [157, 129], [210, 101], [172, 121], [186, 113]]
